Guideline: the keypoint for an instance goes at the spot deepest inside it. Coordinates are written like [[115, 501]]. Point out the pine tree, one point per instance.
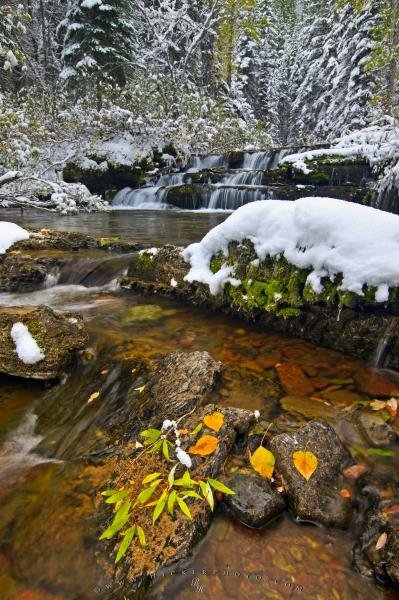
[[96, 45]]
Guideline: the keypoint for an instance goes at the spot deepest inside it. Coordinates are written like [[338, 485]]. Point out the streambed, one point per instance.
[[47, 540]]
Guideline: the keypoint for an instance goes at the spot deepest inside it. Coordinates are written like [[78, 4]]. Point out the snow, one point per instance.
[[25, 346], [183, 458], [10, 233], [331, 237]]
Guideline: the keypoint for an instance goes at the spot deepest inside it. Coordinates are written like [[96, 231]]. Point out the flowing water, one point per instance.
[[53, 448]]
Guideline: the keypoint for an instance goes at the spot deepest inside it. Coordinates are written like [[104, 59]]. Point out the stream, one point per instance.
[[48, 486]]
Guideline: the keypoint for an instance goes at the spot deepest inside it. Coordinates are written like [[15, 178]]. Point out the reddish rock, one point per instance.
[[294, 380], [268, 361], [371, 382], [319, 383]]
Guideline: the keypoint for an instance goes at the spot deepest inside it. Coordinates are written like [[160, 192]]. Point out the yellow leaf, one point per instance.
[[214, 421], [263, 462], [305, 462], [183, 431], [382, 540], [392, 407], [140, 389], [206, 445], [377, 404], [94, 396]]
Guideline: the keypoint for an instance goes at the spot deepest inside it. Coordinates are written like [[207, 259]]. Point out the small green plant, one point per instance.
[[159, 492]]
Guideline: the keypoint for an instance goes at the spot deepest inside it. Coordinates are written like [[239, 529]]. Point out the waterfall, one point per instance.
[[244, 185], [212, 161], [151, 197]]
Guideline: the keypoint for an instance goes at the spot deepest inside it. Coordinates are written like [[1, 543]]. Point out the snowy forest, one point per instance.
[[199, 299]]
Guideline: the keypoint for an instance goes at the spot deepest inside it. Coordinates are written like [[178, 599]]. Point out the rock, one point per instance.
[[371, 382], [255, 502], [294, 380], [377, 550], [59, 337], [376, 431], [24, 273], [181, 382], [318, 499]]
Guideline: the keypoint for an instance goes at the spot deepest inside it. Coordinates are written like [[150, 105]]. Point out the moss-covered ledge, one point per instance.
[[275, 294]]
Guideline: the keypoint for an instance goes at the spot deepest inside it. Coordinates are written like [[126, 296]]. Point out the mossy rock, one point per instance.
[[146, 312], [59, 337]]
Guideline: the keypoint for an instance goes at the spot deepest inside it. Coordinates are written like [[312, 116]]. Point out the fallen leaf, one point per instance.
[[392, 407], [104, 372], [354, 472], [382, 540], [305, 462], [214, 421], [138, 445], [377, 404], [263, 462], [280, 489], [140, 389], [206, 445], [345, 493], [94, 396], [391, 510], [183, 431]]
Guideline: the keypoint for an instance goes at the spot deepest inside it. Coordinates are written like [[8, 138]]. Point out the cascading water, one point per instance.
[[212, 161], [243, 186], [148, 197]]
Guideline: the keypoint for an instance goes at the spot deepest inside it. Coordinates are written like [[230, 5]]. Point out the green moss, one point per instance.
[[145, 260], [288, 312], [216, 264], [348, 299], [262, 294], [319, 178], [369, 293], [105, 242]]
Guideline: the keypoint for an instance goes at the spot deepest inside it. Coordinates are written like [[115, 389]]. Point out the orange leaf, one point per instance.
[[94, 396], [391, 510], [183, 431], [263, 462], [214, 421], [206, 445], [382, 540], [305, 462], [345, 493], [354, 472]]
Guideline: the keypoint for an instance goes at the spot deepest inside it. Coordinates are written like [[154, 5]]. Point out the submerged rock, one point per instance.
[[376, 553], [58, 336], [318, 499], [255, 502]]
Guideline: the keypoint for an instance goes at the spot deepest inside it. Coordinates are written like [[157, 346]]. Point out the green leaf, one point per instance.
[[151, 436], [197, 429], [148, 433], [141, 535], [207, 493], [108, 492], [184, 508], [220, 487], [145, 495], [171, 476], [117, 497], [155, 484], [150, 478], [125, 543], [156, 446], [380, 452], [160, 505], [171, 501], [165, 449], [192, 494], [120, 520]]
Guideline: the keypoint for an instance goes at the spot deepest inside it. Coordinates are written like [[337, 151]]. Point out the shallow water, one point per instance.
[[47, 542]]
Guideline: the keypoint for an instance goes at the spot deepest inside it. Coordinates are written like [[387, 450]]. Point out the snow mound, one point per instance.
[[10, 233], [25, 346], [331, 237]]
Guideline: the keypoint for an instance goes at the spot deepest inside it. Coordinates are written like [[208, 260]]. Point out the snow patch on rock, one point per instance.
[[25, 345], [10, 233], [331, 237]]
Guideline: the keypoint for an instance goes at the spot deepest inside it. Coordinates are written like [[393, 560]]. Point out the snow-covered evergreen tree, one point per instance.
[[96, 40]]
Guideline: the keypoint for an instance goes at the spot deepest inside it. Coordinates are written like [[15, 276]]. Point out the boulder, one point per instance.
[[318, 499], [59, 337], [255, 502]]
